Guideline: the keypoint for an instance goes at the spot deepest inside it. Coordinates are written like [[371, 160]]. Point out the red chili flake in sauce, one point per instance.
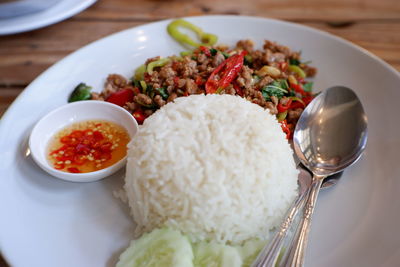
[[88, 146]]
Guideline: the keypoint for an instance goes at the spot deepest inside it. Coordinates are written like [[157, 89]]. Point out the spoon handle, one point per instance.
[[269, 254], [296, 251]]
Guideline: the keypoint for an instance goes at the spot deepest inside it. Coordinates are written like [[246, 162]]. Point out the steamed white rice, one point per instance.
[[215, 167]]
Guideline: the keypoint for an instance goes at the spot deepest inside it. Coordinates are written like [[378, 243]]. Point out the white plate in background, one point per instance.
[[48, 222], [55, 13]]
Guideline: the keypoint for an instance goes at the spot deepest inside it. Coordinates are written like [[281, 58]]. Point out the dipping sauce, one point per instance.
[[88, 146]]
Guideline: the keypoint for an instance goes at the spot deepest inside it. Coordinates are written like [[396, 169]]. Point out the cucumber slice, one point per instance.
[[249, 251], [216, 255], [162, 247]]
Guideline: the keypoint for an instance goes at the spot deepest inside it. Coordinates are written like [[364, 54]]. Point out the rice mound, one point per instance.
[[215, 167]]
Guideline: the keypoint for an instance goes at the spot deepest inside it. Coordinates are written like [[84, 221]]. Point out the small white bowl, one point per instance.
[[65, 115]]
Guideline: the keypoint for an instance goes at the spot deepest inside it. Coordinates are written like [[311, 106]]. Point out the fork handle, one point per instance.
[[269, 254], [297, 249]]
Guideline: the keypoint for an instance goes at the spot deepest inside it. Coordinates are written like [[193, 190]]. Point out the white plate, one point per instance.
[[48, 222], [56, 13]]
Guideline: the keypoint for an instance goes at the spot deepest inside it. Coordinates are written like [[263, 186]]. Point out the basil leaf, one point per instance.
[[293, 61], [213, 51], [81, 92], [163, 92], [273, 90], [308, 86]]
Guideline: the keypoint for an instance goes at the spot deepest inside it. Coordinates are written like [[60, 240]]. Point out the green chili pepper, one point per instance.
[[295, 98], [298, 70], [186, 53], [207, 39], [81, 92], [157, 63], [281, 116], [139, 72]]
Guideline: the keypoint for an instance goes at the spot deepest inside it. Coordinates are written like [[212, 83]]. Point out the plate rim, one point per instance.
[[53, 19]]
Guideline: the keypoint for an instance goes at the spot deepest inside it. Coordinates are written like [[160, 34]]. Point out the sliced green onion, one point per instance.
[[298, 70]]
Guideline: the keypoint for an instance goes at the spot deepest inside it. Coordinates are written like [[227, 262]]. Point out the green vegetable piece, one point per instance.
[[162, 247], [249, 251], [207, 39], [281, 83], [144, 86], [139, 72], [273, 89], [298, 70], [295, 98], [281, 116], [186, 53], [158, 63], [308, 86], [213, 51], [163, 93], [81, 92], [294, 62], [216, 255], [136, 83], [226, 55], [247, 60]]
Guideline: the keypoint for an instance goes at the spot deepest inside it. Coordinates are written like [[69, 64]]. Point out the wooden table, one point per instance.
[[373, 25]]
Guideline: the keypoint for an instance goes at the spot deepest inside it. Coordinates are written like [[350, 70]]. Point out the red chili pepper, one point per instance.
[[73, 170], [136, 90], [301, 80], [82, 149], [283, 66], [296, 104], [176, 80], [307, 99], [199, 80], [283, 108], [299, 89], [238, 90], [139, 116], [225, 73], [121, 97], [286, 129], [205, 50], [175, 65]]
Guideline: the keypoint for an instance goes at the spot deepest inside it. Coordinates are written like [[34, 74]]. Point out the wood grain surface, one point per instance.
[[373, 25]]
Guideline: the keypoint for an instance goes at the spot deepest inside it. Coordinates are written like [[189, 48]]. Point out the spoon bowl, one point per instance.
[[331, 133]]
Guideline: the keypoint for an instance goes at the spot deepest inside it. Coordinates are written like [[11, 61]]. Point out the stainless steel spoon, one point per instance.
[[330, 135], [269, 254]]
